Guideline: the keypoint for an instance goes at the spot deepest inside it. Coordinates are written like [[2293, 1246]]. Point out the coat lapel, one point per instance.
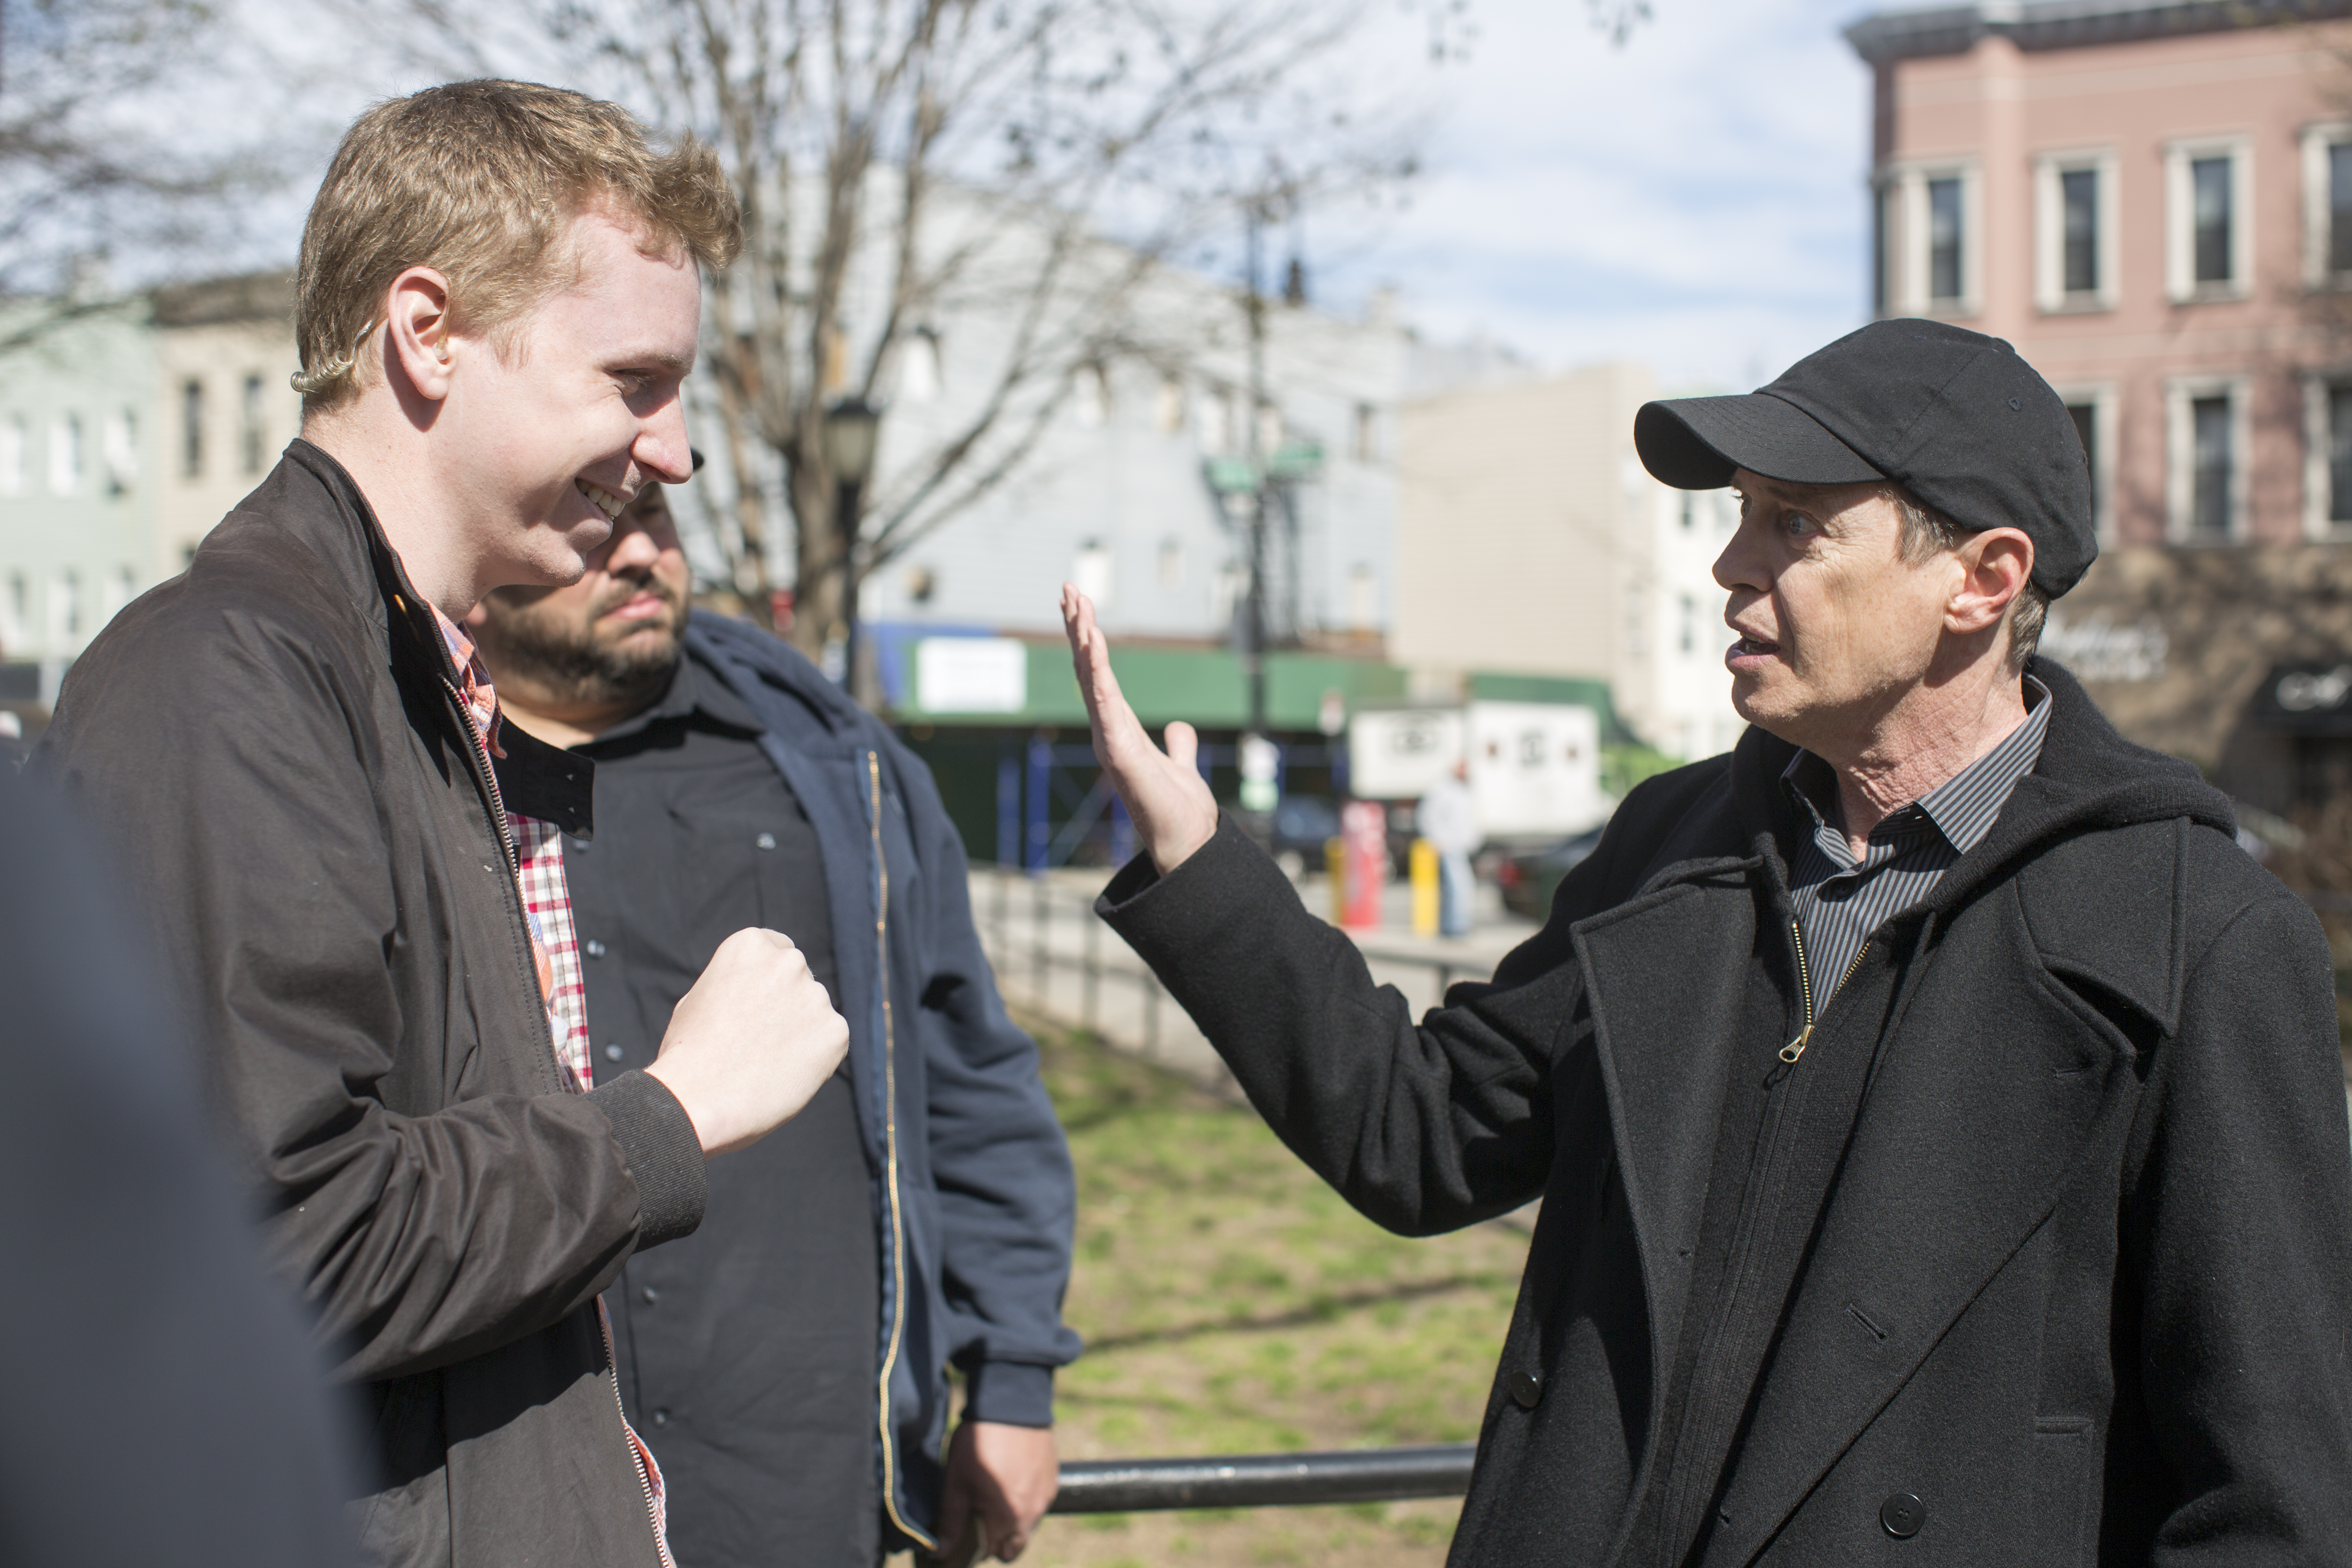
[[1664, 976], [1972, 1125]]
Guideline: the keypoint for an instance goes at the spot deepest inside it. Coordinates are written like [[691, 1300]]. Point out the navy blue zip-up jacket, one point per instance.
[[973, 1198]]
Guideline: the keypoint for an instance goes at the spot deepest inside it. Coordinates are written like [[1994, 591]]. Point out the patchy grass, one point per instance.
[[1231, 1304]]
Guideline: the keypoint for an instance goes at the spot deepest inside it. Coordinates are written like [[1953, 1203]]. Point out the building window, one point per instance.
[[1931, 219], [191, 429], [2327, 457], [2327, 206], [256, 433], [65, 455], [2093, 410], [1171, 563], [2074, 231], [1363, 598], [1686, 639], [2339, 455], [64, 612], [2208, 249], [12, 455], [1943, 241], [121, 452], [2208, 422], [13, 610], [1090, 573], [2210, 208], [1365, 443]]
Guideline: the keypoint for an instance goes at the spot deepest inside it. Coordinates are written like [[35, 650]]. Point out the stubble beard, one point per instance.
[[568, 663]]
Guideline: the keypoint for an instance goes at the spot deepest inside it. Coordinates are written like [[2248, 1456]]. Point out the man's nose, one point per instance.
[[661, 447], [1740, 565]]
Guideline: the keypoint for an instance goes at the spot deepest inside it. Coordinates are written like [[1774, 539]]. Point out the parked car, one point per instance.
[[1529, 879]]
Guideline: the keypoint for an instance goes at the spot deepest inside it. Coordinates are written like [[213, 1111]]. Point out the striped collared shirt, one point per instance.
[[1840, 901]]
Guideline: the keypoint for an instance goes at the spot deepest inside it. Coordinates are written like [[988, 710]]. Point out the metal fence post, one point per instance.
[[1122, 833], [1090, 1006], [1008, 811], [1041, 785], [1040, 916]]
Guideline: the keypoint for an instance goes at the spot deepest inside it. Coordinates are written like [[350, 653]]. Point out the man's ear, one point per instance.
[[1995, 564], [416, 331]]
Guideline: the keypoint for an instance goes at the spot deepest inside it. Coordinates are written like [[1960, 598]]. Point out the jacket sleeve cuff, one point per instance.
[[1009, 1393], [663, 1154], [1229, 878]]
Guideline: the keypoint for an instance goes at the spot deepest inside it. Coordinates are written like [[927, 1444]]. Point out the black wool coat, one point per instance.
[[2082, 1283]]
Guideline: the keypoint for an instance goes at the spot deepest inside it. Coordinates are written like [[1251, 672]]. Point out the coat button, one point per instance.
[[593, 949], [1903, 1514], [650, 1294], [1526, 1389], [661, 1417], [765, 841], [613, 1051]]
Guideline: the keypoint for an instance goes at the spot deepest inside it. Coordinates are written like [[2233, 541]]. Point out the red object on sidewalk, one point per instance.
[[1364, 830], [780, 610]]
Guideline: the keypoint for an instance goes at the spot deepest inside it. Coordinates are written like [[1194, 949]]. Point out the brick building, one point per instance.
[[2153, 201]]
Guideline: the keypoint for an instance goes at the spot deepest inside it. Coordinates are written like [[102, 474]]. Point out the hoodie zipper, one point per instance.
[[1795, 1049], [889, 1155]]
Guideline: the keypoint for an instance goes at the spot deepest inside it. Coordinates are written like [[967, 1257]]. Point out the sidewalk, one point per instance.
[[1054, 955]]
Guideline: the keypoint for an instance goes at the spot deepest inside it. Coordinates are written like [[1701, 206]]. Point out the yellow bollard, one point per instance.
[[1424, 888], [1335, 865]]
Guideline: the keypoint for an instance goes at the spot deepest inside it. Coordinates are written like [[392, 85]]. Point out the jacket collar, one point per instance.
[[346, 537]]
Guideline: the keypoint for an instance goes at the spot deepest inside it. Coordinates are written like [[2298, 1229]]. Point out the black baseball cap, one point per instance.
[[1953, 416]]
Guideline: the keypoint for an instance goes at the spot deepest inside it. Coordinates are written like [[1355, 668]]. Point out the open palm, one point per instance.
[[1162, 791]]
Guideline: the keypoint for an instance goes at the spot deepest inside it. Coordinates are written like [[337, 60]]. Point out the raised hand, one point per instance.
[[1163, 791]]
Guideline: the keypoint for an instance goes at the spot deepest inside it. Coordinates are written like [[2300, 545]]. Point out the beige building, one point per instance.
[[225, 350], [1531, 541]]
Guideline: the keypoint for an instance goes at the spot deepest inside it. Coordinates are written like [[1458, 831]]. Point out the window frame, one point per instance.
[[1905, 276], [2319, 485], [2105, 401], [2317, 211], [2180, 456], [2051, 295], [2180, 284]]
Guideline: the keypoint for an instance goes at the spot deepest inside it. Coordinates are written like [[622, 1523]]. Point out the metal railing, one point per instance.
[[1037, 927], [1265, 1480]]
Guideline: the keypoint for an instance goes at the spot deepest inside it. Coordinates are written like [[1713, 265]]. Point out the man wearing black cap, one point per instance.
[[1937, 1118]]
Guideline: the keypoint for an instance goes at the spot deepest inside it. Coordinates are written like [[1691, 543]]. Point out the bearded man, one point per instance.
[[918, 1213], [1938, 1117]]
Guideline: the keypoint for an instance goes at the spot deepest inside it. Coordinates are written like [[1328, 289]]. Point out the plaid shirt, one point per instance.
[[538, 859], [555, 950]]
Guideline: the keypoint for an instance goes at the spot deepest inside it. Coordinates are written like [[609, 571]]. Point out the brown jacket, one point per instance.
[[274, 746]]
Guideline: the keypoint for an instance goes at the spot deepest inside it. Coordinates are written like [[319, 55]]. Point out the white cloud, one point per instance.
[[1695, 199]]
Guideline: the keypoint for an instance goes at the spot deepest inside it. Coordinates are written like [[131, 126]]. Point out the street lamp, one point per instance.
[[852, 427]]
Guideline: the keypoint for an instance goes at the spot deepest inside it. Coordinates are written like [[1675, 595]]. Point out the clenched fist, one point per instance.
[[748, 1046]]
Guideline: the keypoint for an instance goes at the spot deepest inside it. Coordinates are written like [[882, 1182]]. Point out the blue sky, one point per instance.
[[1693, 199]]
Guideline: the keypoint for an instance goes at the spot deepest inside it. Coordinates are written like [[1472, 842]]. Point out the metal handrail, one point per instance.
[[1265, 1480]]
